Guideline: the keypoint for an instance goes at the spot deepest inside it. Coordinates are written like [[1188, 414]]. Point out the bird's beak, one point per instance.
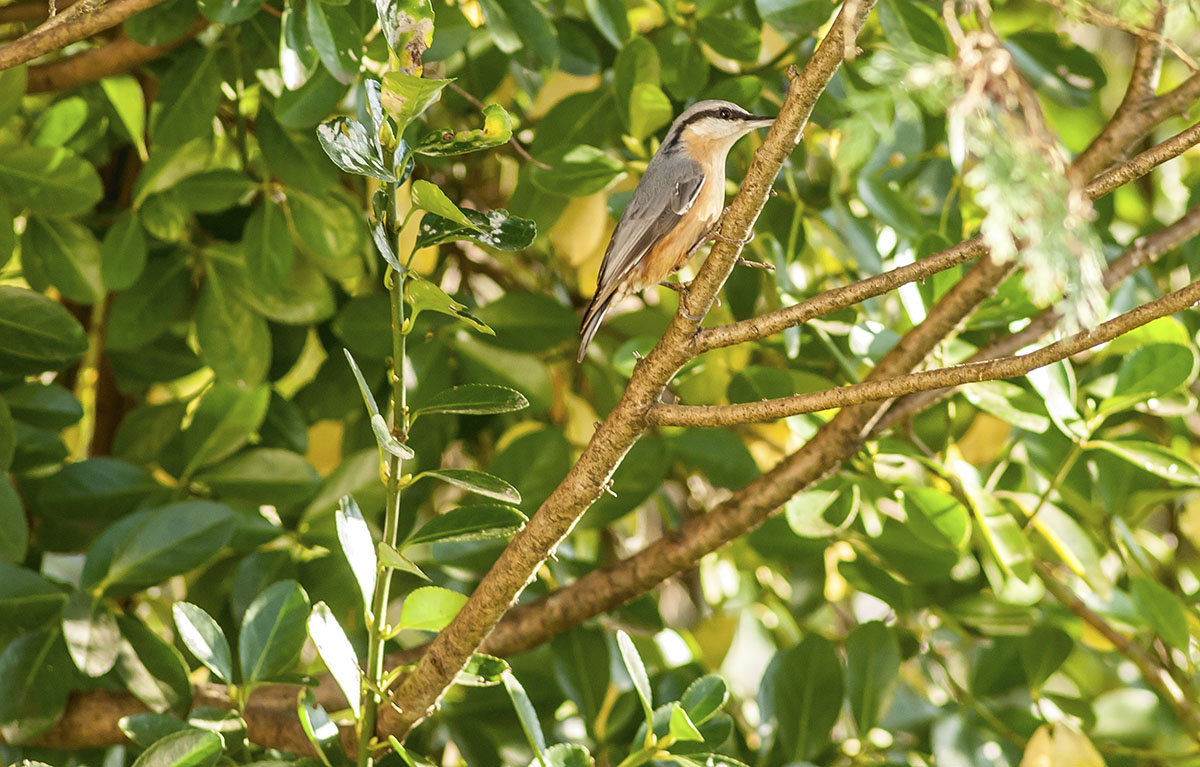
[[761, 121]]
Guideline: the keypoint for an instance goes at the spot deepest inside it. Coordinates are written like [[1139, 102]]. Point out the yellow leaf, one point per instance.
[[1062, 746]]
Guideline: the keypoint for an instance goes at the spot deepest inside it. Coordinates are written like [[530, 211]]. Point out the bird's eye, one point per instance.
[[726, 114]]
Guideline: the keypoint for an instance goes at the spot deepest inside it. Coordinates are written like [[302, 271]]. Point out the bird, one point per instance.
[[676, 207]]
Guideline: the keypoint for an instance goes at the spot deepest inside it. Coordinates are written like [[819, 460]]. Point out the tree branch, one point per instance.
[[834, 299], [517, 565], [926, 380], [118, 57], [1143, 251], [81, 20]]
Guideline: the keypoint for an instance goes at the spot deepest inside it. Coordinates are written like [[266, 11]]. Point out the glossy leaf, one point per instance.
[[475, 399], [576, 171], [187, 748], [406, 96], [872, 672], [483, 671], [526, 713], [425, 296], [470, 523], [353, 149], [802, 694], [91, 634], [637, 672], [497, 130], [1162, 609], [478, 482], [123, 253], [336, 651], [1151, 371], [153, 670], [430, 608], [67, 255], [427, 196], [336, 37], [1156, 459], [358, 547], [229, 11], [145, 729], [704, 698], [273, 631], [267, 245], [495, 228], [36, 334], [204, 639], [320, 730], [36, 674], [50, 181]]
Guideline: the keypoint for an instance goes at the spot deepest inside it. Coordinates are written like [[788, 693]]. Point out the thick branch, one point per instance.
[[80, 21], [1154, 674], [118, 57], [516, 566], [926, 380], [35, 10]]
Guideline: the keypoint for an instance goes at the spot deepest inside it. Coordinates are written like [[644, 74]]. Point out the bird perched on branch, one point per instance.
[[675, 209]]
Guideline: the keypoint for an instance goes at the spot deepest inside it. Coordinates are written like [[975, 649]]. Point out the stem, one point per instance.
[[87, 380], [1059, 476], [377, 628]]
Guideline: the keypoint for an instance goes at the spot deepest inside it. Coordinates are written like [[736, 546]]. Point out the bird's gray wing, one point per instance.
[[667, 191]]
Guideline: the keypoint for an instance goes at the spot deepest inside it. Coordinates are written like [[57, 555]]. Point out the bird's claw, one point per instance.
[[755, 264]]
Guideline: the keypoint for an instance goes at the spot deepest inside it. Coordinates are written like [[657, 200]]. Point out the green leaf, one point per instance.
[[27, 600], [267, 475], [297, 158], [267, 244], [731, 36], [144, 312], [320, 729], [187, 748], [91, 634], [297, 57], [50, 181], [801, 693], [151, 669], [477, 482], [822, 511], [353, 149], [162, 23], [649, 110], [427, 196], [228, 11], [611, 19], [213, 191], [497, 130], [59, 123], [681, 726], [496, 228], [640, 474], [337, 652], [169, 541], [187, 98], [368, 397], [474, 399], [470, 523], [636, 63], [704, 698], [406, 96], [483, 671], [1009, 403], [273, 631], [358, 547], [1004, 537], [221, 315], [719, 454], [12, 90], [906, 23], [530, 322], [800, 17], [1043, 651], [423, 295], [937, 518], [123, 252], [569, 755], [1162, 609], [204, 639], [67, 254], [872, 672], [582, 669], [1150, 371], [526, 713], [337, 38], [223, 422], [430, 608], [576, 170], [14, 528], [1069, 74], [36, 673], [1156, 459], [387, 441], [637, 672], [36, 334], [391, 558], [48, 406], [145, 729], [311, 103], [408, 27], [8, 439]]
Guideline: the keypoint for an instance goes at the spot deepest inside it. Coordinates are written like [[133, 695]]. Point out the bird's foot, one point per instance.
[[678, 287], [717, 236]]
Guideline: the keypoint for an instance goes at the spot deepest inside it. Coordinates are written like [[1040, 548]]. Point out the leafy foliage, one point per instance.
[[287, 329]]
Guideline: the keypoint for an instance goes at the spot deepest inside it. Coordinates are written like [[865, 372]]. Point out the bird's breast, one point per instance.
[[672, 251]]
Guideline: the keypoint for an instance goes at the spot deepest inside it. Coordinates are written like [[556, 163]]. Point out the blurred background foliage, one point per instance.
[[181, 266]]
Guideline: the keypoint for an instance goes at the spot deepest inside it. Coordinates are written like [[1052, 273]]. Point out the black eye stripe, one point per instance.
[[716, 113]]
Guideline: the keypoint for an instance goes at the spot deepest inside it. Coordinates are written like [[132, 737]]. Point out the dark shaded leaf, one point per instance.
[[273, 631], [495, 228], [470, 523]]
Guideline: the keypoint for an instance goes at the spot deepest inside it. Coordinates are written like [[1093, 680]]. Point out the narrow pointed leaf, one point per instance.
[[423, 295], [681, 726], [637, 672], [391, 558], [497, 129], [337, 652], [430, 197], [387, 441], [496, 228], [527, 714], [475, 399], [358, 546], [470, 523], [477, 482]]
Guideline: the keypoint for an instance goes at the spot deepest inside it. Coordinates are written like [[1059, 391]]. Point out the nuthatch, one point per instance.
[[674, 209]]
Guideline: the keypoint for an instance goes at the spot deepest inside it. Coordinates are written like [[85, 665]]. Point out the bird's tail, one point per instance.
[[592, 318]]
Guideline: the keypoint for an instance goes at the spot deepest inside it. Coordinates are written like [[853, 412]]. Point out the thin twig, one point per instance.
[[1154, 675], [516, 145]]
